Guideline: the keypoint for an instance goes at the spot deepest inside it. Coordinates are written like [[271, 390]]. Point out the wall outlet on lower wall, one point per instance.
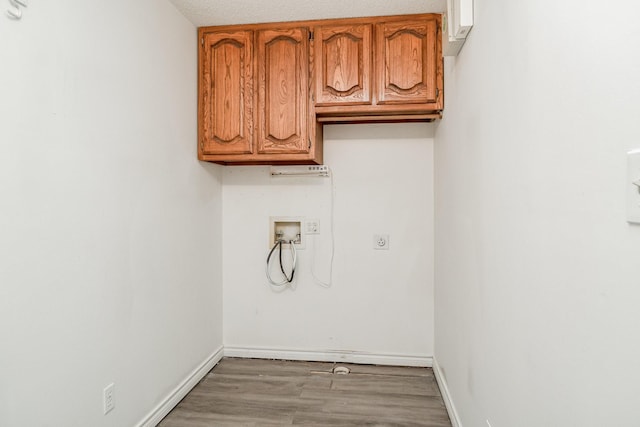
[[108, 398], [381, 241]]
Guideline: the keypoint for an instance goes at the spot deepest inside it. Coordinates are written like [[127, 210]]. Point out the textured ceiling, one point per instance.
[[223, 12]]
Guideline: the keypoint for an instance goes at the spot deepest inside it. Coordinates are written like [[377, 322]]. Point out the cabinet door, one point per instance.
[[226, 93], [407, 59], [283, 92], [343, 58]]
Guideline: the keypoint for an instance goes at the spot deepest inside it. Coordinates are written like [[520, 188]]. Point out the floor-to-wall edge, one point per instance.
[[330, 356], [446, 396], [172, 399]]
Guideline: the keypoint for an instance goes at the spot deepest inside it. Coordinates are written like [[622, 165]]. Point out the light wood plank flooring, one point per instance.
[[252, 392]]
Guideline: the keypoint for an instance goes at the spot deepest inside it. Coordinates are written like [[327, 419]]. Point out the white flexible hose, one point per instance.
[[328, 283]]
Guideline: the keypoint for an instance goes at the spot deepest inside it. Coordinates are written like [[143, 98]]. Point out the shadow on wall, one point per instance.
[[369, 132], [375, 131]]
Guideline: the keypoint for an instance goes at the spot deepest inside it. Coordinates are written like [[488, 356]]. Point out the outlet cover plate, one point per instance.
[[313, 226], [108, 398]]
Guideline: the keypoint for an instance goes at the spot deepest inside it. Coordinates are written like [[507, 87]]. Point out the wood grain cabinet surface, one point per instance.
[[283, 92], [226, 94], [343, 55], [265, 90], [394, 75], [254, 104], [408, 63]]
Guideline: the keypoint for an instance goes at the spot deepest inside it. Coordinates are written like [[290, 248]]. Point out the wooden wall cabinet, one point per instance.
[[343, 55], [254, 105], [226, 94], [264, 90], [395, 75], [283, 92], [408, 58]]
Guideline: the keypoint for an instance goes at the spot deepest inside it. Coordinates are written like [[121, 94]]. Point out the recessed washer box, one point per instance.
[[286, 228]]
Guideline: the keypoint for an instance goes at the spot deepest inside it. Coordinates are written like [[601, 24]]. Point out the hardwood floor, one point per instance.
[[253, 392]]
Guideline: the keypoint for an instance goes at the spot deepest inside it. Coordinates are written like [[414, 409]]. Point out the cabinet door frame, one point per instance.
[[335, 45], [407, 55], [226, 103], [283, 91], [296, 137]]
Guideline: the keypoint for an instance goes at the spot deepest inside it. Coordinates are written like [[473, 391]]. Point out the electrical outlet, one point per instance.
[[313, 226], [381, 241], [108, 398]]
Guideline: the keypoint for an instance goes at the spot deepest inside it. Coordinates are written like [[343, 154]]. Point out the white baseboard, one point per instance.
[[330, 356], [177, 394], [172, 399], [446, 396]]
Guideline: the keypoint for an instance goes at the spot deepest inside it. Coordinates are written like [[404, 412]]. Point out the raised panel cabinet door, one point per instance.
[[283, 92], [226, 93], [343, 56], [407, 61]]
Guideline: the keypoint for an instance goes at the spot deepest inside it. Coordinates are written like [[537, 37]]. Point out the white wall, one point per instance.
[[109, 226], [381, 302], [537, 272]]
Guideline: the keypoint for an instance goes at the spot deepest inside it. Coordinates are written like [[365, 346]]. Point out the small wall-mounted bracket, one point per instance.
[[633, 186], [286, 228]]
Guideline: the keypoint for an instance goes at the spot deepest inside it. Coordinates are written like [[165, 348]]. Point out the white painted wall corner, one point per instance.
[[173, 398], [446, 396]]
